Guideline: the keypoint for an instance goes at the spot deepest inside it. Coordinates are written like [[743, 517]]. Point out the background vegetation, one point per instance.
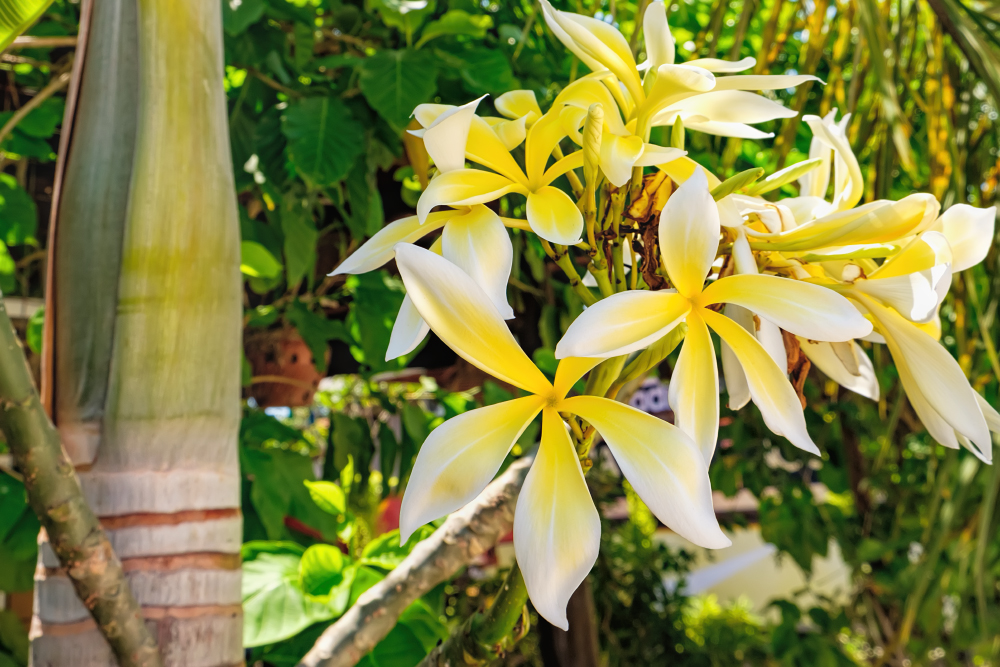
[[320, 92]]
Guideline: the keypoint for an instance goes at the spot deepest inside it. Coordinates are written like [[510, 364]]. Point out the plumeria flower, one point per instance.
[[556, 526], [551, 213], [689, 242], [830, 144], [669, 91], [952, 411], [473, 237], [621, 149]]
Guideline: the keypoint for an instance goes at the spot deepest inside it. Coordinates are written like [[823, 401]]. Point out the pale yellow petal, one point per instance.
[[732, 371], [557, 531], [553, 216], [762, 81], [799, 307], [653, 155], [935, 373], [570, 370], [720, 129], [477, 242], [660, 49], [969, 231], [916, 296], [825, 358], [465, 187], [663, 465], [510, 132], [694, 387], [519, 104], [464, 317], [446, 137], [618, 156], [733, 106], [848, 180], [408, 329], [555, 23], [689, 235], [485, 147], [542, 139], [772, 393], [623, 323], [459, 458], [723, 66], [923, 252], [681, 169], [379, 249], [671, 84]]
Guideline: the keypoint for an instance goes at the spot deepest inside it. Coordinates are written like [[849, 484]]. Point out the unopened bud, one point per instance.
[[592, 131]]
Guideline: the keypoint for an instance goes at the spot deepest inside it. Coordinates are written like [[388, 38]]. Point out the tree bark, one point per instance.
[[466, 534], [147, 320], [74, 533]]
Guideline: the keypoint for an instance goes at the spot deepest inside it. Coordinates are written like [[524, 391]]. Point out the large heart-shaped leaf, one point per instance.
[[274, 605], [394, 82], [324, 139]]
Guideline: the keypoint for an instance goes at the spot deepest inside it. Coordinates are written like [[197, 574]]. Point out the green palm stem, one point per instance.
[[55, 494]]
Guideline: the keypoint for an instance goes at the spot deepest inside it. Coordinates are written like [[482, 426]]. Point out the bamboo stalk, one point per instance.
[[55, 495]]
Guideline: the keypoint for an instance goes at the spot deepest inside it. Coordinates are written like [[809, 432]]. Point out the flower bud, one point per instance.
[[592, 131]]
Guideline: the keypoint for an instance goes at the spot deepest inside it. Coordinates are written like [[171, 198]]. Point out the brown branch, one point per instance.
[[55, 495], [54, 86], [29, 42], [466, 534]]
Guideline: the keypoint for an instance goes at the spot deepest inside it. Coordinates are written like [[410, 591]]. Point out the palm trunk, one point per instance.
[[147, 306]]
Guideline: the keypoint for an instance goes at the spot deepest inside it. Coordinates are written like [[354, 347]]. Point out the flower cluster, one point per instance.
[[815, 272]]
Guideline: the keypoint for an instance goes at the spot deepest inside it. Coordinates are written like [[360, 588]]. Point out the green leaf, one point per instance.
[[328, 497], [400, 648], [300, 239], [18, 213], [7, 268], [14, 636], [42, 121], [324, 139], [321, 568], [364, 578], [385, 550], [404, 15], [257, 262], [34, 331], [366, 203], [274, 605], [377, 299], [316, 331], [16, 16], [424, 623], [394, 82], [487, 71], [238, 15], [457, 22]]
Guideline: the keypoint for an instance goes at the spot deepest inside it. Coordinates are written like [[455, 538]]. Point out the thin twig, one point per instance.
[[53, 87], [29, 42]]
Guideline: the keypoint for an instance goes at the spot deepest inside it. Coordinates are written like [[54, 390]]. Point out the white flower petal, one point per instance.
[[694, 387], [772, 393], [464, 317], [623, 323], [459, 458], [689, 234], [557, 531], [970, 233], [664, 466], [477, 243], [446, 137], [825, 358], [407, 330]]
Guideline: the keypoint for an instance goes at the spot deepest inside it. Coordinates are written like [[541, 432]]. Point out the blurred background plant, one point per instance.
[[320, 93]]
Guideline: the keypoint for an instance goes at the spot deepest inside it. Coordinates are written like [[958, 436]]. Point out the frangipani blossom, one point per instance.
[[951, 410], [621, 149], [473, 238], [970, 233], [669, 91], [830, 144], [556, 526], [551, 213], [689, 241]]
